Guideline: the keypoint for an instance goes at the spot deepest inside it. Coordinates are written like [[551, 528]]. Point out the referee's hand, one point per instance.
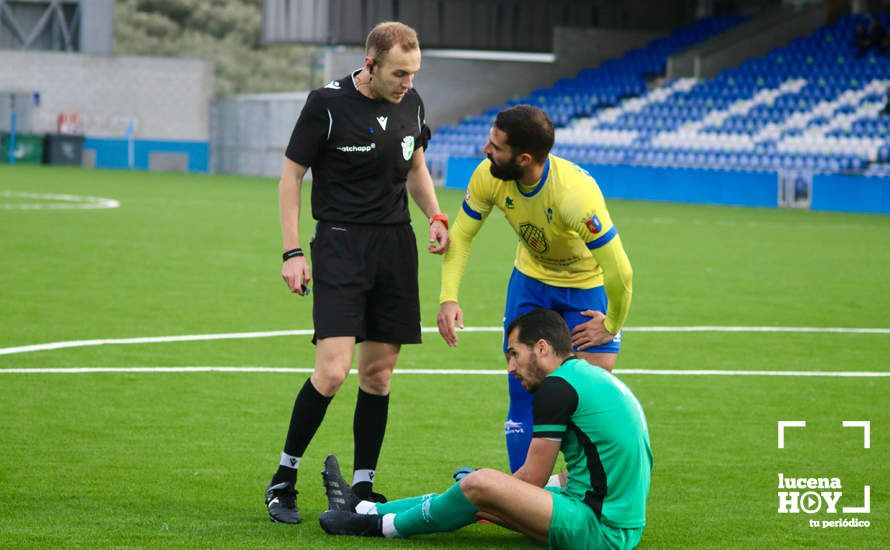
[[439, 240], [296, 275], [449, 314]]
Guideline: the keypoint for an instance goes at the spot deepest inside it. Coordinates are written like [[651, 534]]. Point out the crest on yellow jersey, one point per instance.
[[534, 237]]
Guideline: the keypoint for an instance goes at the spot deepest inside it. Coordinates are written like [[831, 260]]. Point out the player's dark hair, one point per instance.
[[544, 324], [528, 130], [384, 36]]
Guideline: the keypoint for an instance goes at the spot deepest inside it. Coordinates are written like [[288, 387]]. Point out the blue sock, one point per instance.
[[519, 425]]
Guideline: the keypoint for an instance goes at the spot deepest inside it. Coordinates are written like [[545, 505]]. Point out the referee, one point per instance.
[[364, 137]]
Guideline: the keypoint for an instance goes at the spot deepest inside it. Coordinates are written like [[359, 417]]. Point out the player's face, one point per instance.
[[523, 363], [393, 76], [504, 164]]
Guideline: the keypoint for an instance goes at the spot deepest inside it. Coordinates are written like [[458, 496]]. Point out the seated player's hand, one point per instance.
[[591, 333], [450, 315], [461, 473]]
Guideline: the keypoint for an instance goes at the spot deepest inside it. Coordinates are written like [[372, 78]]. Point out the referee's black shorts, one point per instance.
[[365, 282]]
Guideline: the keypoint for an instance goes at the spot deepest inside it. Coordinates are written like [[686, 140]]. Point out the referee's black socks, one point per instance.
[[309, 410], [368, 429]]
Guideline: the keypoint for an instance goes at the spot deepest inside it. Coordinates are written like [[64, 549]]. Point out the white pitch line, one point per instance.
[[309, 332], [152, 340], [840, 330], [67, 201], [480, 372]]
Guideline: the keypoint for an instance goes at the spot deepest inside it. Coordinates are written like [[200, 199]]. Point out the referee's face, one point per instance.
[[393, 75]]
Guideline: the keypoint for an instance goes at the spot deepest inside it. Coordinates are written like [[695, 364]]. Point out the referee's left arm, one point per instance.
[[420, 186]]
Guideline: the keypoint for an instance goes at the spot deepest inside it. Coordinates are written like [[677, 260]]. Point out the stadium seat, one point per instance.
[[811, 105]]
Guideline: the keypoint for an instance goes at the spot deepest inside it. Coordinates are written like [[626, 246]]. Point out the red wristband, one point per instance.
[[440, 217]]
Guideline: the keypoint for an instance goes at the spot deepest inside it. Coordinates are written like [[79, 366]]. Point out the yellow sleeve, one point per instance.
[[588, 216], [474, 209], [585, 212], [618, 281], [455, 261]]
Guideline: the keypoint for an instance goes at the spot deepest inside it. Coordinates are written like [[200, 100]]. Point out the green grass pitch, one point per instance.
[[182, 459]]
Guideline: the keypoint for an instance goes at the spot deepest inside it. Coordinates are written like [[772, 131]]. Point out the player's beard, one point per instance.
[[511, 171], [535, 374]]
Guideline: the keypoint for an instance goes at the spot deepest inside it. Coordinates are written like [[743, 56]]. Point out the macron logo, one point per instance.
[[333, 84], [382, 120]]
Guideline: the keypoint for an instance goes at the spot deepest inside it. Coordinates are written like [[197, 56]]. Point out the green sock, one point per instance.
[[437, 513], [401, 505]]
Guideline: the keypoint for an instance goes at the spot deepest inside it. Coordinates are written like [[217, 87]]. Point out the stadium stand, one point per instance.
[[812, 105]]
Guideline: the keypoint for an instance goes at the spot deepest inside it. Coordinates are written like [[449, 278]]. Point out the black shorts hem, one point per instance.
[[359, 339]]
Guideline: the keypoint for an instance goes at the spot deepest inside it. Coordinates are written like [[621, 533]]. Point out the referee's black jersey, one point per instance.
[[360, 151]]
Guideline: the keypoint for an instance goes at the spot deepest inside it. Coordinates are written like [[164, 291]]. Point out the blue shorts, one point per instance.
[[525, 294]]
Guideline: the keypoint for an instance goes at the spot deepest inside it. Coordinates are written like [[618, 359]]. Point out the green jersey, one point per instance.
[[604, 439]]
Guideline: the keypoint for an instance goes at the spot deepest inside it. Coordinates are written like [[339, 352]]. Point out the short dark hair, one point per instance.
[[528, 130], [384, 36], [544, 324]]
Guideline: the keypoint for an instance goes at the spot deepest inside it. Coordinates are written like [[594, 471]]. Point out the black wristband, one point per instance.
[[292, 253]]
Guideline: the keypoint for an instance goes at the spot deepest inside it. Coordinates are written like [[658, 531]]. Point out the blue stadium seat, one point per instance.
[[815, 107]]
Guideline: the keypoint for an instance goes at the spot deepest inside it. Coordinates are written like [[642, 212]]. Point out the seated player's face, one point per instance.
[[523, 364], [503, 161], [393, 75]]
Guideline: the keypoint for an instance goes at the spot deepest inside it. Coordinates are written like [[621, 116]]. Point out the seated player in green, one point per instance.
[[585, 412]]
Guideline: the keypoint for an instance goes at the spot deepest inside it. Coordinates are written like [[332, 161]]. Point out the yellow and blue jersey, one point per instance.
[[558, 222]]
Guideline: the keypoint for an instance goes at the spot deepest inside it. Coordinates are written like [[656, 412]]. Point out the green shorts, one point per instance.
[[574, 526]]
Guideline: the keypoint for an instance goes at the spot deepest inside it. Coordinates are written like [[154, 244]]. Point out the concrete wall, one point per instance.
[[576, 49], [97, 26], [646, 14], [773, 29], [168, 98], [250, 132]]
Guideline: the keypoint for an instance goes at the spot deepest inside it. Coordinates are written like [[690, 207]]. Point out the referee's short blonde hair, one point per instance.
[[387, 34]]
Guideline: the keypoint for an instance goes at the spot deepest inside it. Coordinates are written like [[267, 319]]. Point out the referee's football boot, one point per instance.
[[370, 497], [337, 522], [339, 493], [281, 501]]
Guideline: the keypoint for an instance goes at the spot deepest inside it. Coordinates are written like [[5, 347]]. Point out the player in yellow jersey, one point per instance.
[[569, 258]]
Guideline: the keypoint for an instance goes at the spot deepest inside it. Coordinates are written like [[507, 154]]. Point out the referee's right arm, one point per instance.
[[295, 271]]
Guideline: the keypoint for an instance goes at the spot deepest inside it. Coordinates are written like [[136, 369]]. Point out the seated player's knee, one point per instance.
[[477, 485]]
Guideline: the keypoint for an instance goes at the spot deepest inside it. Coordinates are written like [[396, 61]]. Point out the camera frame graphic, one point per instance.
[[866, 444]]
